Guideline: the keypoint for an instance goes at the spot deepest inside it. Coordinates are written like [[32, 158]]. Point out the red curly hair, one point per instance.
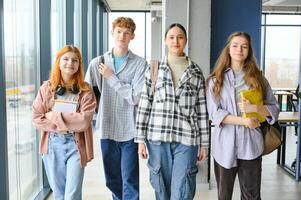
[[77, 79]]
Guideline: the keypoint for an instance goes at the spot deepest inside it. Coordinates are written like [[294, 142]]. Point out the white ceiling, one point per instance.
[[281, 2], [132, 4], [137, 5]]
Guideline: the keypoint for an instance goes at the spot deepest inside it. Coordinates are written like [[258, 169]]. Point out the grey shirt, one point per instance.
[[120, 95], [239, 85], [232, 142]]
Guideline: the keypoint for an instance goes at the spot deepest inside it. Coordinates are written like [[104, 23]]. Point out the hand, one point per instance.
[[105, 70], [202, 155], [142, 150], [252, 122], [48, 115], [246, 107]]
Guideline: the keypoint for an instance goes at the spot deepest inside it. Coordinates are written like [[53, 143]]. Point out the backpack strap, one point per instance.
[[96, 89], [101, 59], [154, 67]]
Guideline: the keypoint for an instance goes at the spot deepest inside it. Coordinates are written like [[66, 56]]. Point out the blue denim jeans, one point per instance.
[[121, 166], [62, 165], [173, 170]]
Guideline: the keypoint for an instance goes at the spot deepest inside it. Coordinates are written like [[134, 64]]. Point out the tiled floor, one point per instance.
[[276, 184]]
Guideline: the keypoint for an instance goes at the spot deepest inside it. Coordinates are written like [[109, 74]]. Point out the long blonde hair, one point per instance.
[[253, 76], [77, 79]]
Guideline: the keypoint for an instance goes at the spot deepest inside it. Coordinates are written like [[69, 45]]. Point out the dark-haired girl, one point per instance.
[[172, 121]]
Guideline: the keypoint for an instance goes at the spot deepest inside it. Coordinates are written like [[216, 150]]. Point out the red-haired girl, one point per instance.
[[63, 111]]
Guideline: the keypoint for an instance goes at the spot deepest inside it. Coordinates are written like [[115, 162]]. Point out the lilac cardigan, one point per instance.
[[232, 142]]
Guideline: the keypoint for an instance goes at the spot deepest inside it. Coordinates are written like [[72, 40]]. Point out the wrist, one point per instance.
[[244, 121], [256, 108]]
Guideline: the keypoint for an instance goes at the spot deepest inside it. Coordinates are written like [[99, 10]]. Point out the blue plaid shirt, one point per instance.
[[120, 95]]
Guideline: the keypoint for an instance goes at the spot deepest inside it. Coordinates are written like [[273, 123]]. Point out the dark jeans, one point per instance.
[[121, 166], [249, 176]]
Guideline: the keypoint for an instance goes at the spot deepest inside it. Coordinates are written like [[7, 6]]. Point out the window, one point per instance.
[[281, 47], [58, 26], [21, 66], [77, 24]]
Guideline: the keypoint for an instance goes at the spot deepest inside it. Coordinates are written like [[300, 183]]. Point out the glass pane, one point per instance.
[[282, 56], [58, 26], [98, 39], [262, 18], [77, 23], [137, 45], [283, 19], [20, 40], [89, 32]]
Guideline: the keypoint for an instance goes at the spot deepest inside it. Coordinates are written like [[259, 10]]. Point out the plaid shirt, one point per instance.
[[171, 115], [120, 95]]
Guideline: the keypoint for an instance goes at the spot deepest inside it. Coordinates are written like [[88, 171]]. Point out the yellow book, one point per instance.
[[255, 97]]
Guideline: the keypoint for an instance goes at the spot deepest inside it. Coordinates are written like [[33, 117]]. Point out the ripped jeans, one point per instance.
[[173, 170]]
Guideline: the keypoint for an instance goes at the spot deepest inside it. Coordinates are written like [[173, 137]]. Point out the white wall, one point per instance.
[[199, 33], [194, 15]]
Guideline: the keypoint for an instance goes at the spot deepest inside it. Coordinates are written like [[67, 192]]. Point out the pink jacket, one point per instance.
[[79, 122]]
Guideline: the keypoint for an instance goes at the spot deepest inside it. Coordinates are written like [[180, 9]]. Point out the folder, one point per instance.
[[64, 106], [255, 97]]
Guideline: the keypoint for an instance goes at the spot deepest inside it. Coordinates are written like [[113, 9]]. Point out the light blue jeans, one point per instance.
[[173, 170], [62, 165]]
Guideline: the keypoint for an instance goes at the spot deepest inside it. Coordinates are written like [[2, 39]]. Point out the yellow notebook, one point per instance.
[[255, 97]]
